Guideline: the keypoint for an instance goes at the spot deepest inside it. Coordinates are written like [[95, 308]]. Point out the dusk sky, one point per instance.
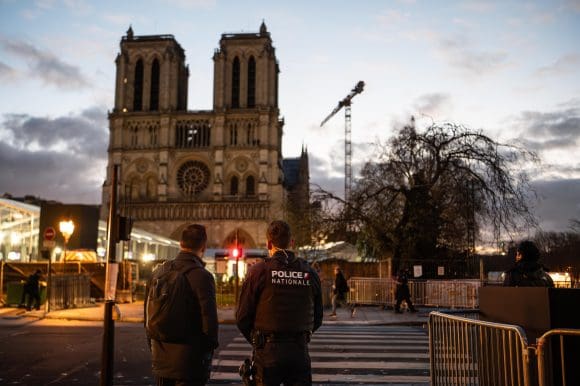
[[509, 68]]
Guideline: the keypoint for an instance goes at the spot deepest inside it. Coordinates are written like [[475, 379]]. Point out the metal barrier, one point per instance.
[[471, 352], [70, 291], [452, 293], [371, 291], [435, 293], [558, 354], [465, 351]]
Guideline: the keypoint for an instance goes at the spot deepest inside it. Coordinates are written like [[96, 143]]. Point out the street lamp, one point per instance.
[[66, 227]]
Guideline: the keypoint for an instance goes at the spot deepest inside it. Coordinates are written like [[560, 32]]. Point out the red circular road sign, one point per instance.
[[49, 233]]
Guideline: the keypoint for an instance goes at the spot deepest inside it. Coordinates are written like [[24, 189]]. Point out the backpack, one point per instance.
[[169, 308]]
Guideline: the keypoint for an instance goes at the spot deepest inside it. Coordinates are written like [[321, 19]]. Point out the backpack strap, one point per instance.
[[184, 270]]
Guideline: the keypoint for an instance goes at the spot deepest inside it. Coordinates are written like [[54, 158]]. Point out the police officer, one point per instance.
[[280, 306]]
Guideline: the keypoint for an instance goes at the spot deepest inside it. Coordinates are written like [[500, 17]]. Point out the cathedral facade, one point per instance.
[[222, 168]]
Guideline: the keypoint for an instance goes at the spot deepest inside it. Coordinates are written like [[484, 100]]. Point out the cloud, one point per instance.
[[391, 17], [7, 72], [550, 130], [46, 66], [85, 133], [433, 105], [478, 6], [564, 65], [573, 5], [192, 4], [62, 158], [458, 52], [559, 203]]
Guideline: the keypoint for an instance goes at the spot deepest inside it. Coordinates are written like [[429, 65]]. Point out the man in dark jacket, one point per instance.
[[31, 291], [189, 363], [280, 306], [339, 290], [527, 271], [402, 291]]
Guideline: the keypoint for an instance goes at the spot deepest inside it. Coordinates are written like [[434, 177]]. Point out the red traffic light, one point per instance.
[[236, 253]]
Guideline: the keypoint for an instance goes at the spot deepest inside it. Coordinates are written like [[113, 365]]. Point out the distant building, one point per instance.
[[223, 167]]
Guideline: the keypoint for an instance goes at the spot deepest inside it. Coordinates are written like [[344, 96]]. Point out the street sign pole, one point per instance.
[[108, 350], [49, 234], [48, 283]]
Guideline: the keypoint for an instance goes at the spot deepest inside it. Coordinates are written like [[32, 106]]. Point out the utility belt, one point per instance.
[[260, 338]]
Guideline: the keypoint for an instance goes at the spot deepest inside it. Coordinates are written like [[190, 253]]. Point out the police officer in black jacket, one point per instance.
[[280, 306]]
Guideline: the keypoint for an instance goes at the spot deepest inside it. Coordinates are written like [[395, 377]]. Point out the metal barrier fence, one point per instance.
[[471, 352], [70, 291], [558, 353], [465, 351], [435, 293], [452, 293], [372, 291]]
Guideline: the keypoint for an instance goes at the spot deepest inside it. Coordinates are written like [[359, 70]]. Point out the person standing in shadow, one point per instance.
[[402, 292], [31, 291], [339, 290]]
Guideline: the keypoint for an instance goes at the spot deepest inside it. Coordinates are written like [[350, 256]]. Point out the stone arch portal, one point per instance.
[[245, 241]]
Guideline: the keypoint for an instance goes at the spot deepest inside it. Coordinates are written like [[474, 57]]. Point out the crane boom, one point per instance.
[[346, 101], [347, 134]]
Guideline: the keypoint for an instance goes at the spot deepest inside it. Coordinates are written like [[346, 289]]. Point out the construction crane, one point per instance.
[[347, 134]]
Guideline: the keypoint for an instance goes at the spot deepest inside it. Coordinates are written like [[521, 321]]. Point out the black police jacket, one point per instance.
[[281, 294]]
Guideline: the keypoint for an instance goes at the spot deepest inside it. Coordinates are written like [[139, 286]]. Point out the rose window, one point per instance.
[[193, 177]]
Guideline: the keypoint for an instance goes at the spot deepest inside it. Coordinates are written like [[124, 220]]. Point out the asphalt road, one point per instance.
[[57, 352]]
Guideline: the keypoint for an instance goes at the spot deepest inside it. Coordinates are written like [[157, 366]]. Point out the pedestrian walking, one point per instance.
[[31, 291], [339, 290], [181, 315], [280, 306], [527, 271], [402, 291]]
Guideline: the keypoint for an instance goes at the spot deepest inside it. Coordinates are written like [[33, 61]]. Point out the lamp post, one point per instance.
[[66, 227]]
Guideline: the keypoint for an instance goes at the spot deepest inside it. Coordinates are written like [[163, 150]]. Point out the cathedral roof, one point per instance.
[[291, 168]]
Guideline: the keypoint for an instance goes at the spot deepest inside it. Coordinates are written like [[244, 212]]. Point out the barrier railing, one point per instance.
[[70, 291], [371, 291], [471, 352], [558, 353], [452, 293], [435, 293]]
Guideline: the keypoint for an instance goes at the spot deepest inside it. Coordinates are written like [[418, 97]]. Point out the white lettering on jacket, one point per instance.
[[291, 278], [290, 274]]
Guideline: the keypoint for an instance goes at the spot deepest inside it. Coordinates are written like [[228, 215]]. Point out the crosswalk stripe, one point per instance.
[[326, 354], [347, 355], [390, 347], [347, 341], [343, 365], [369, 336], [343, 378]]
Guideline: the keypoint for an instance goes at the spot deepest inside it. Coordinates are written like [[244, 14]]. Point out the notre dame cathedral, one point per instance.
[[222, 168]]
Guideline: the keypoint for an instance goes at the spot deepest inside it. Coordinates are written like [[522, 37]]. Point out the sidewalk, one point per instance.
[[133, 313]]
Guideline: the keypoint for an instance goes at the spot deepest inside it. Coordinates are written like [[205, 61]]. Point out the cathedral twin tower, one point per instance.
[[222, 168]]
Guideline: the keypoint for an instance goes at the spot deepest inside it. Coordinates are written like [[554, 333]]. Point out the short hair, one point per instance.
[[193, 237], [529, 251], [279, 234]]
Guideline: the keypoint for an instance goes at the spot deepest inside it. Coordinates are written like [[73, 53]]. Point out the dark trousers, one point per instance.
[[160, 381], [285, 363], [404, 294], [32, 295]]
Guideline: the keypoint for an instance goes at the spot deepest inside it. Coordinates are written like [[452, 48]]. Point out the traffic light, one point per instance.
[[123, 228], [236, 252]]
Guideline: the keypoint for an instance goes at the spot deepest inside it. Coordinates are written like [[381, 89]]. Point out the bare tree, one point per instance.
[[435, 189]]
